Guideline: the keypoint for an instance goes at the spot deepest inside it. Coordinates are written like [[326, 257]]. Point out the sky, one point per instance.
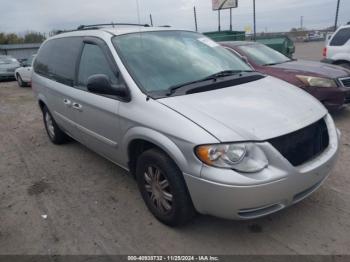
[[272, 15]]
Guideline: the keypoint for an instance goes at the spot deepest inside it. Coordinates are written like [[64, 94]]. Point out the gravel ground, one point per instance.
[[68, 200]]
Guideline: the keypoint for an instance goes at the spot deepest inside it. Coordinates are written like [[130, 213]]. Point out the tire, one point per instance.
[[20, 81], [56, 135], [169, 187]]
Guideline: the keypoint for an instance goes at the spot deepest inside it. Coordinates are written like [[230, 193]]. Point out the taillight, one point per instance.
[[325, 52]]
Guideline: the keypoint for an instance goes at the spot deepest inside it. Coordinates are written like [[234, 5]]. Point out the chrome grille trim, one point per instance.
[[345, 81]]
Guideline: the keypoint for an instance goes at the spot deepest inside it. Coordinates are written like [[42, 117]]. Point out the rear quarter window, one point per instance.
[[57, 59], [341, 37]]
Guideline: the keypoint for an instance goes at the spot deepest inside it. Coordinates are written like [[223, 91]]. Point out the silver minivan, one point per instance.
[[197, 127]]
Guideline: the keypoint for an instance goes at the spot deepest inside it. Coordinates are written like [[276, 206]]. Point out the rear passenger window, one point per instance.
[[93, 61], [341, 37], [57, 59]]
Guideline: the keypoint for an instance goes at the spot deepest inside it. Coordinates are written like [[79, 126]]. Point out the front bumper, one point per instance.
[[332, 98], [232, 195]]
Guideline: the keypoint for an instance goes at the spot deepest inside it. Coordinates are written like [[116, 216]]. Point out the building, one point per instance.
[[19, 51]]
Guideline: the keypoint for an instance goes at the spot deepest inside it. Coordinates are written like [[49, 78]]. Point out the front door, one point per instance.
[[97, 115]]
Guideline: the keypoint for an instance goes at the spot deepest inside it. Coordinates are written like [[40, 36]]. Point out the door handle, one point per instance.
[[77, 106], [67, 102]]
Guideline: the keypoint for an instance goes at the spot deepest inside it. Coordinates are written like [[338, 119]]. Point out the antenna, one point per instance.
[[138, 11]]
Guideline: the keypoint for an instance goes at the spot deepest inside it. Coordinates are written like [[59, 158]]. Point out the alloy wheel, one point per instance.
[[158, 189]]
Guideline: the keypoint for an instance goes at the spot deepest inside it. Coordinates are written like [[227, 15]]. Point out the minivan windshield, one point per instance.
[[160, 60], [263, 55]]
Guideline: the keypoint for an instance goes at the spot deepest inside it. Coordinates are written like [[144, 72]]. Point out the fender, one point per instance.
[[156, 138]]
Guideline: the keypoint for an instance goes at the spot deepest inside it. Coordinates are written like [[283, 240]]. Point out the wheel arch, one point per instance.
[[341, 61], [42, 102], [140, 139]]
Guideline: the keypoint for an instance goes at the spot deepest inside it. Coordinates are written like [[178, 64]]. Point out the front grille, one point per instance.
[[347, 99], [303, 145], [345, 81]]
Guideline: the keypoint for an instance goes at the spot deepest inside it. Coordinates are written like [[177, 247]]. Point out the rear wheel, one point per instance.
[[20, 81], [163, 188], [56, 135]]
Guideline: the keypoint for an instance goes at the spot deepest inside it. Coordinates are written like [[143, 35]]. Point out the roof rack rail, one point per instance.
[[97, 26]]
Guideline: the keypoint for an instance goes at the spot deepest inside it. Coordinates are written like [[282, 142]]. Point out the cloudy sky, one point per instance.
[[272, 15]]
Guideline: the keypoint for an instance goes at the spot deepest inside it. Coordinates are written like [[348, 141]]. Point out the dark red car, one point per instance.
[[328, 83]]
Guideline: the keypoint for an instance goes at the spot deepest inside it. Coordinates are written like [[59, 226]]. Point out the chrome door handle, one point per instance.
[[67, 102], [77, 106]]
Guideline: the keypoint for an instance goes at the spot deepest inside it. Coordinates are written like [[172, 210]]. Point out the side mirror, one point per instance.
[[100, 84]]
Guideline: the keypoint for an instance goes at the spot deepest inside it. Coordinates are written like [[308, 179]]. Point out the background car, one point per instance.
[[8, 65], [337, 50], [23, 74], [328, 83]]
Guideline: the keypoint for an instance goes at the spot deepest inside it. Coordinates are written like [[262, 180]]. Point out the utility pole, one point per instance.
[[230, 19], [301, 22], [219, 17], [150, 17], [195, 18], [336, 16], [254, 18]]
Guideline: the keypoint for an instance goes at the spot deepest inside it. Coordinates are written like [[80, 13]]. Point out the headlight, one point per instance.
[[317, 81], [243, 157]]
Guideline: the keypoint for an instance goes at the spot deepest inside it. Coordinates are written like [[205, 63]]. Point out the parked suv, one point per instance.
[[337, 50], [197, 127]]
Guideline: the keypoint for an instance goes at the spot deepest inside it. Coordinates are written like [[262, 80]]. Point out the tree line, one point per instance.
[[30, 37]]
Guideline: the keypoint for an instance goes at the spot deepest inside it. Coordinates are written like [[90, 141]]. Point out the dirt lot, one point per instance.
[[68, 200]]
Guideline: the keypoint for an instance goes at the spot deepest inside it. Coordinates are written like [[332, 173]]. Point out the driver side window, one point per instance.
[[93, 61]]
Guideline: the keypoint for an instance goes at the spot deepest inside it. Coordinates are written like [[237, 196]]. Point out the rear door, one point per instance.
[[56, 63], [97, 115]]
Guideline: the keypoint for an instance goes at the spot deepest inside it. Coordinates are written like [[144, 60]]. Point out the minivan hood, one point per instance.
[[314, 68], [257, 110]]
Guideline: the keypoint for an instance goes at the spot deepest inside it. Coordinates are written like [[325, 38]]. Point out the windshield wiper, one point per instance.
[[210, 77]]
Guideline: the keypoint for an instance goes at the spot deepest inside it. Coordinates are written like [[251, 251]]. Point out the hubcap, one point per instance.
[[49, 125], [157, 187]]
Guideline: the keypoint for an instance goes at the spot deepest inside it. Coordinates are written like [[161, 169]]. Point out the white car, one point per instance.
[[337, 50], [23, 74]]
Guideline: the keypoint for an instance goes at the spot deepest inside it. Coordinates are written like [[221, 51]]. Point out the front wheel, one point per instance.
[[20, 81], [163, 188]]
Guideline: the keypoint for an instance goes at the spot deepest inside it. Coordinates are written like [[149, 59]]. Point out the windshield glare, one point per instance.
[[163, 59], [263, 55]]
